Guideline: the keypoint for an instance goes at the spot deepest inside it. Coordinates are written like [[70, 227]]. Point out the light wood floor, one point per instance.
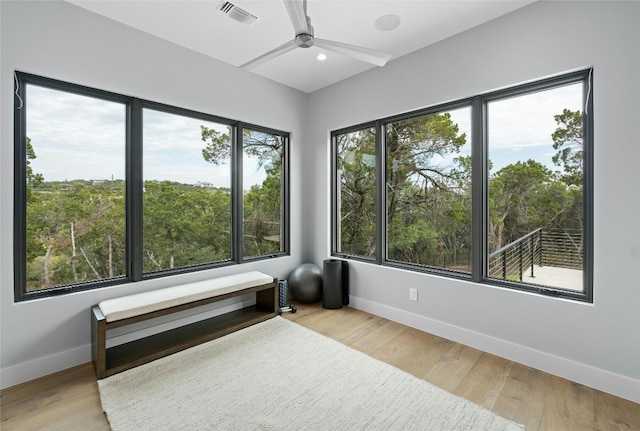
[[69, 400]]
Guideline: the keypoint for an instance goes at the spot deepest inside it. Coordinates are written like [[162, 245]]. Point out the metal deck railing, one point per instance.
[[541, 247]]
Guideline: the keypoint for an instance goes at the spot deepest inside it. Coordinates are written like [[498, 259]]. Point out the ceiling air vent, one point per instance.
[[236, 13]]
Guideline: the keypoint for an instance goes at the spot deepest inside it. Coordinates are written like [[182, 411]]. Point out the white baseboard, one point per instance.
[[621, 386], [30, 370], [26, 371]]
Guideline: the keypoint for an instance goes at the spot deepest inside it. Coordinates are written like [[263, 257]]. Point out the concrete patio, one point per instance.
[[563, 278]]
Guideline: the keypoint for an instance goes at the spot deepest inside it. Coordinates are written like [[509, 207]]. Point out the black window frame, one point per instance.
[[134, 182], [436, 109], [479, 187], [335, 183], [284, 192]]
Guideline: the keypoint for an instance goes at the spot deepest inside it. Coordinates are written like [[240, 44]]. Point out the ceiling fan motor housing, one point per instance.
[[304, 40]]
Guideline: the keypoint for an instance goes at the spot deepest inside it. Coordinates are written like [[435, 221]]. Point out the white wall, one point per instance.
[[596, 344], [62, 41]]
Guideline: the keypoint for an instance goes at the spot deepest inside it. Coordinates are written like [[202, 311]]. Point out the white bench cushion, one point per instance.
[[146, 302]]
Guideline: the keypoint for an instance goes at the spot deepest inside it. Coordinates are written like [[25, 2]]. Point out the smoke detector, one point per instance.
[[237, 13]]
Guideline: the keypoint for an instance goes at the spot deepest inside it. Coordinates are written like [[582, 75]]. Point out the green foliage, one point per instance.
[[78, 234], [262, 203], [265, 147], [33, 179], [512, 210], [568, 140], [412, 241], [428, 192], [356, 165], [263, 216], [218, 148], [75, 232], [76, 229], [35, 247], [184, 225]]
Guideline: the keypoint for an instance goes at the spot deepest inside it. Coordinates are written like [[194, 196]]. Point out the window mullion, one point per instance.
[[134, 190], [478, 189], [381, 206], [237, 226]]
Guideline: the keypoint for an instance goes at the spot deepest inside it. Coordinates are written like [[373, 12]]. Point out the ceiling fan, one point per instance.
[[297, 10]]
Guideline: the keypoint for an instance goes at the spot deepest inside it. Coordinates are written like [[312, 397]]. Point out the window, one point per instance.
[[496, 189], [355, 192], [74, 188], [535, 200], [263, 188], [428, 190], [187, 191], [113, 189]]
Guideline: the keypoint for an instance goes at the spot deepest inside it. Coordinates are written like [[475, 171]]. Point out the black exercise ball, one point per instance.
[[305, 283]]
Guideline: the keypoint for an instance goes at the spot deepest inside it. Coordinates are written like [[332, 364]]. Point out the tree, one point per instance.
[[428, 194], [568, 140], [35, 246], [218, 148], [416, 148], [512, 209], [33, 179], [80, 225], [262, 204], [428, 198], [262, 207], [184, 225], [356, 170], [265, 147]]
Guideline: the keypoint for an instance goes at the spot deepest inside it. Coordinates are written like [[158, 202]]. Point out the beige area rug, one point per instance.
[[278, 375]]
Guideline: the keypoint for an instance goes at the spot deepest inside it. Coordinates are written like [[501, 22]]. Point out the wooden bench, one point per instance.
[[118, 312]]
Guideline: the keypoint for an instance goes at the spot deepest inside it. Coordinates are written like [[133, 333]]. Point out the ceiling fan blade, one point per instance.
[[297, 15], [269, 55], [363, 54]]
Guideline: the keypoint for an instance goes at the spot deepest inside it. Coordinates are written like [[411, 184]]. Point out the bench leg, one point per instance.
[[98, 342]]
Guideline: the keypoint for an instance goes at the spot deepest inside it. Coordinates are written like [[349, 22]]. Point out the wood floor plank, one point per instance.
[[69, 400], [485, 380], [70, 394], [361, 327], [56, 387], [379, 337], [452, 368], [344, 322], [568, 406], [333, 319], [305, 313], [523, 396], [413, 351], [615, 414]]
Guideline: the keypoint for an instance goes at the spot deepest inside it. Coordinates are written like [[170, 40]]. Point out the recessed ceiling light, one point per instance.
[[387, 22], [322, 56]]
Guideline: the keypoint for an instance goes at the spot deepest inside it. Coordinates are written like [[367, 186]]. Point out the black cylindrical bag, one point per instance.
[[332, 295]]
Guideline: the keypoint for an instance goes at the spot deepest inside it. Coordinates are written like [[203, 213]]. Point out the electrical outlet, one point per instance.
[[413, 294]]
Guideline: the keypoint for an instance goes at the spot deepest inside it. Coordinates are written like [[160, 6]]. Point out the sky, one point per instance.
[[520, 128], [78, 137]]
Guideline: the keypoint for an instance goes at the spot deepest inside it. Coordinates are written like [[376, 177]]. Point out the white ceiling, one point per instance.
[[200, 26]]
